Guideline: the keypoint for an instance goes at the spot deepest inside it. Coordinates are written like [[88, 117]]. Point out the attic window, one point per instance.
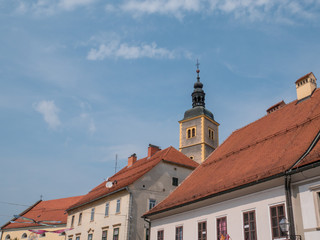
[[175, 181], [24, 235]]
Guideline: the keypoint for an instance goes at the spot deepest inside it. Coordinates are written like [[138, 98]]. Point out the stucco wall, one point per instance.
[[156, 184], [306, 208], [101, 222], [232, 209]]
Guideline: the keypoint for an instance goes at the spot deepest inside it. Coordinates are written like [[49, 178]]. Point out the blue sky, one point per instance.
[[84, 80]]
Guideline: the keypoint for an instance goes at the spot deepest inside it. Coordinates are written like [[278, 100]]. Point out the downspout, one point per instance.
[[129, 215], [289, 204], [288, 184], [149, 222]]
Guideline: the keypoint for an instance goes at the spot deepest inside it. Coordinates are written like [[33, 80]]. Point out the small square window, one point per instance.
[[152, 203], [175, 181]]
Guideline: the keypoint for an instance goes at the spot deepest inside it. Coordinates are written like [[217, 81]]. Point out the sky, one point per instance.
[[85, 80]]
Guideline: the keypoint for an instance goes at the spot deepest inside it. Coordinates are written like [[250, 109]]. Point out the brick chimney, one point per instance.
[[132, 159], [152, 149], [306, 85]]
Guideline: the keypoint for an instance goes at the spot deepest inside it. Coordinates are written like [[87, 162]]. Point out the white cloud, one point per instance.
[[50, 113], [71, 4], [123, 50], [274, 10], [48, 7]]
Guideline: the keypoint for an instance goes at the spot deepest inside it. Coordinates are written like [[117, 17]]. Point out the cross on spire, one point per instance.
[[198, 64]]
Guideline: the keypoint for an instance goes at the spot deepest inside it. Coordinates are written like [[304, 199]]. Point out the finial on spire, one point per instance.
[[198, 70]]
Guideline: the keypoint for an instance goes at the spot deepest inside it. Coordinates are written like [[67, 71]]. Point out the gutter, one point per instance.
[[149, 223]]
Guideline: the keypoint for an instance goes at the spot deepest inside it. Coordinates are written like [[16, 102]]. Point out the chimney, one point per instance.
[[152, 149], [306, 85], [132, 159], [276, 107]]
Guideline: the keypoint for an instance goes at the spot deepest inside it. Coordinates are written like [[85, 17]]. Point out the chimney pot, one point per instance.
[[152, 149], [132, 159]]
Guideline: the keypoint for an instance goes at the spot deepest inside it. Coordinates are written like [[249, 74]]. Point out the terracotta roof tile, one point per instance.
[[264, 148], [129, 175], [51, 210]]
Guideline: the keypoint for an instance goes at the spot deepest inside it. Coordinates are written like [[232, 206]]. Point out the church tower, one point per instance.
[[199, 134]]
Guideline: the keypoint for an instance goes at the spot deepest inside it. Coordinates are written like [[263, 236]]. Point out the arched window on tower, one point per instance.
[[193, 132], [189, 133]]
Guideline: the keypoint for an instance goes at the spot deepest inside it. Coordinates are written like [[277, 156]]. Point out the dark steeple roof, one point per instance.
[[198, 100]]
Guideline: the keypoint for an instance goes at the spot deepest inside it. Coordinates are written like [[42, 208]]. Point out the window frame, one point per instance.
[[201, 230], [191, 132], [316, 198], [160, 234], [175, 181], [72, 221], [221, 230], [107, 209], [92, 214], [114, 231], [80, 219], [90, 234], [249, 225], [106, 238], [281, 234], [177, 235], [152, 202], [118, 206]]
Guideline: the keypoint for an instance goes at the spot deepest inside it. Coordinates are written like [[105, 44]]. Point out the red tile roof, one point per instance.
[[129, 175], [262, 149], [51, 210], [304, 77]]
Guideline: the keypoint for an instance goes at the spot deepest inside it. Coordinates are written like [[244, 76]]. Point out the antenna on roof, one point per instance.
[[41, 197], [115, 167]]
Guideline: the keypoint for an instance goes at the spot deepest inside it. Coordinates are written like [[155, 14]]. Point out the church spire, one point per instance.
[[198, 95]]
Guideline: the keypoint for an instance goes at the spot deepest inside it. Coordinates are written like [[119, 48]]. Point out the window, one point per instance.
[[72, 221], [104, 235], [211, 134], [316, 197], [70, 238], [80, 219], [191, 132], [42, 235], [175, 181], [118, 206], [179, 233], [106, 212], [202, 230], [152, 203], [24, 235], [277, 213], [92, 215], [90, 236], [249, 225], [191, 157], [221, 227], [116, 234], [160, 235], [7, 237], [77, 237]]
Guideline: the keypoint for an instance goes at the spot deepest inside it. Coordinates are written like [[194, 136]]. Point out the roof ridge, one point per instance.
[[281, 132]]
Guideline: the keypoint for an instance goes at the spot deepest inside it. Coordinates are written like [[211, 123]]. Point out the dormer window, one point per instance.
[[191, 132]]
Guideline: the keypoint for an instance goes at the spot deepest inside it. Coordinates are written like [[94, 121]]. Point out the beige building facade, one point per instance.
[[115, 212]]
